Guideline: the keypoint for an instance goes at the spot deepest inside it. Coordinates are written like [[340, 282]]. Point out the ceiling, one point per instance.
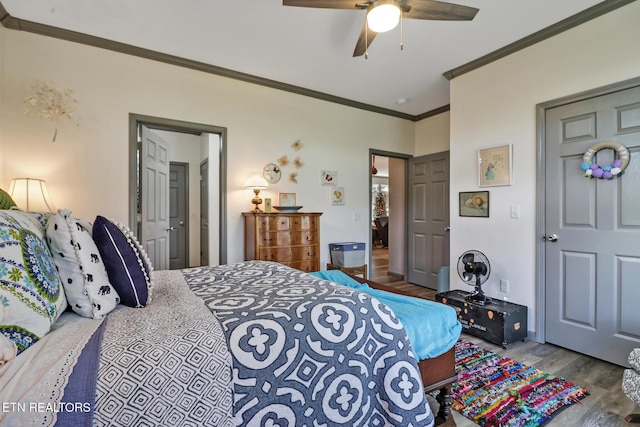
[[311, 49]]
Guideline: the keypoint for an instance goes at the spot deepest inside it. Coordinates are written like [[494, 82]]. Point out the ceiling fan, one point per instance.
[[384, 15]]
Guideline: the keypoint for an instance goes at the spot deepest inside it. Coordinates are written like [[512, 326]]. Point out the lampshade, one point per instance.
[[31, 194], [383, 16], [256, 181]]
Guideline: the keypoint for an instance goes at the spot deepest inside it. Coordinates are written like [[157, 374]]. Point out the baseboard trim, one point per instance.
[[398, 275]]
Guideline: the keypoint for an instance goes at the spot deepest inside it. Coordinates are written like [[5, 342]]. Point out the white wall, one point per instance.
[[496, 105], [87, 167], [432, 135]]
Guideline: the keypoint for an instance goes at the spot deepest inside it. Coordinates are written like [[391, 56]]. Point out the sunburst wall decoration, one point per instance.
[[48, 102]]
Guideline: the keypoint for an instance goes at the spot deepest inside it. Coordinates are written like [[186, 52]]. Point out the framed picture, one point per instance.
[[337, 196], [474, 203], [328, 177], [494, 166], [287, 199]]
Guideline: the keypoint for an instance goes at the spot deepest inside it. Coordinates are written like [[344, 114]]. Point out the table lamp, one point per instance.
[[256, 183], [31, 194]]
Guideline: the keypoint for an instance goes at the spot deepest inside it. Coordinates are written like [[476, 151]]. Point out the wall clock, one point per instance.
[[272, 173]]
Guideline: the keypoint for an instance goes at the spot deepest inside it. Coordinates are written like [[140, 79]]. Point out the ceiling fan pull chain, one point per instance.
[[366, 39], [401, 33]]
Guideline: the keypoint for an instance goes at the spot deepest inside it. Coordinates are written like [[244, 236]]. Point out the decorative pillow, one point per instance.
[[6, 202], [31, 294], [127, 264], [81, 269]]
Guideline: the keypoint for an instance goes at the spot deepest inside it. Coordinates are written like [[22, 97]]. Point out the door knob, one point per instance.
[[447, 228], [182, 223], [552, 238], [171, 229]]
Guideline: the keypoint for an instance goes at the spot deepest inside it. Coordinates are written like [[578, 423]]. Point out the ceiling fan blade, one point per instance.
[[328, 4], [362, 45], [439, 11]]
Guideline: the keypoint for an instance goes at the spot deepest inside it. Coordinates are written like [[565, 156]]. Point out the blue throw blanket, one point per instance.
[[433, 328]]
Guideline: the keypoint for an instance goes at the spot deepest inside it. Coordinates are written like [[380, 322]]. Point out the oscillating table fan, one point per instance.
[[475, 263]]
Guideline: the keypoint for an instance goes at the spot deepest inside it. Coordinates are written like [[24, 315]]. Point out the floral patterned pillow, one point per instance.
[[31, 293], [6, 202]]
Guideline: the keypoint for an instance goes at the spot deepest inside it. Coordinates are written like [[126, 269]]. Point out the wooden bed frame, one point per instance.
[[438, 373]]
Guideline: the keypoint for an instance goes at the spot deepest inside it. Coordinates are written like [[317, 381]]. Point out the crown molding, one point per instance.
[[13, 23], [553, 30]]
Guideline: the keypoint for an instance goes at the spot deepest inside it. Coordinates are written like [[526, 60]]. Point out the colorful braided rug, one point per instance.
[[493, 390]]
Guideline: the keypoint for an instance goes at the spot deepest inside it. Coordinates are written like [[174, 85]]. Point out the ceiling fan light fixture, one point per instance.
[[383, 16]]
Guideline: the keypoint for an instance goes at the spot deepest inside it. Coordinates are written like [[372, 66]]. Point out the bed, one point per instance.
[[436, 359], [252, 343]]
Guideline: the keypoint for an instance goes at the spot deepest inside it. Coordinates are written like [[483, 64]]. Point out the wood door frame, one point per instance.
[[541, 287], [173, 125], [401, 156]]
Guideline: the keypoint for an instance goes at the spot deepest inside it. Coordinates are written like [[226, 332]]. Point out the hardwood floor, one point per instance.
[[606, 406]]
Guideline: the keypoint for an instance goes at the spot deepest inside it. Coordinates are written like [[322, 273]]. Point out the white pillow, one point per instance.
[[80, 266]]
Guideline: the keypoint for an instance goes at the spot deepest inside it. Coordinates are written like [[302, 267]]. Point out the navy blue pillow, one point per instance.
[[126, 263]]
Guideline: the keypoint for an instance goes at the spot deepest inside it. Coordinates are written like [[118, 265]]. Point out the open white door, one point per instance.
[[155, 198]]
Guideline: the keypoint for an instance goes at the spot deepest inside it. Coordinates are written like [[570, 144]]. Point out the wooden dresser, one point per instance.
[[292, 239]]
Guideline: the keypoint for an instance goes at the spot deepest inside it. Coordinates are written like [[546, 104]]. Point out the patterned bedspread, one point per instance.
[[166, 364], [307, 352]]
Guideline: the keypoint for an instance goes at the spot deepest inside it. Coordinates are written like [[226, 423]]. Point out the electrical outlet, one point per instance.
[[504, 285]]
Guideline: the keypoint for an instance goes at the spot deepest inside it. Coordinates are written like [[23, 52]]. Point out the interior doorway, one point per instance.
[[210, 146], [587, 289], [179, 223], [387, 192]]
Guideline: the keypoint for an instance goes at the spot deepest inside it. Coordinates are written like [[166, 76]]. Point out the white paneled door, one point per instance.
[[155, 198], [592, 238]]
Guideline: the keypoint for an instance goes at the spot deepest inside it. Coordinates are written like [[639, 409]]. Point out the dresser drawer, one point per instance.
[[304, 252], [307, 265], [273, 223], [283, 255], [303, 222], [286, 238], [288, 254]]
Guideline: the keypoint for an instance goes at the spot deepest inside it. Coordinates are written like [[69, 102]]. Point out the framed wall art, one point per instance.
[[287, 199], [337, 196], [494, 166], [328, 177], [474, 203]]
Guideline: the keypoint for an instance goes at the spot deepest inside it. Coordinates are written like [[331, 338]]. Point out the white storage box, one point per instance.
[[347, 254]]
